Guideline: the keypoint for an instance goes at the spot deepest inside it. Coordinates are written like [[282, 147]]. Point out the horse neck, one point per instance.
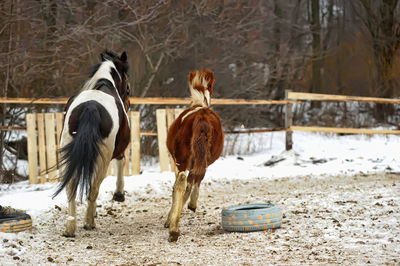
[[199, 98], [102, 73]]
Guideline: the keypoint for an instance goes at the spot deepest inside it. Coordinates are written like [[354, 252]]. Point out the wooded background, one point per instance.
[[256, 48]]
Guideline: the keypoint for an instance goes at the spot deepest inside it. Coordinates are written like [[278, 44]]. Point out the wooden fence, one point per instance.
[[44, 133], [44, 130], [43, 140], [289, 95]]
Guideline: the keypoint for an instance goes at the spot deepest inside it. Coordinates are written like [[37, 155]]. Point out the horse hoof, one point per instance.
[[173, 236], [119, 196], [193, 209], [89, 227], [66, 234]]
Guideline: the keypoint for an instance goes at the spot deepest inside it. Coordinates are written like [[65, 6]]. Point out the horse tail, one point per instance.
[[79, 156], [200, 144]]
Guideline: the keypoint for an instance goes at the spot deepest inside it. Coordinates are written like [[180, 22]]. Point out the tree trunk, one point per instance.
[[5, 94], [273, 82], [316, 46], [315, 26], [384, 51]]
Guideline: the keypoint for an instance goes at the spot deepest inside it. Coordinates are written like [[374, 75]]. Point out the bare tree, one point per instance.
[[381, 20], [315, 26]]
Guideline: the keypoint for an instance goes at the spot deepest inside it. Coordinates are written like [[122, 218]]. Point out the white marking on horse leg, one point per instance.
[[119, 191], [120, 175], [91, 208], [194, 196], [101, 172], [70, 226], [168, 221], [176, 208]]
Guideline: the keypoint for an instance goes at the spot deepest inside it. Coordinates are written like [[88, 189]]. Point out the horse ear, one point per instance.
[[190, 76], [123, 56]]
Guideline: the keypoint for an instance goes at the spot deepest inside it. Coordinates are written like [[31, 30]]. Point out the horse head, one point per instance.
[[121, 77], [201, 86]]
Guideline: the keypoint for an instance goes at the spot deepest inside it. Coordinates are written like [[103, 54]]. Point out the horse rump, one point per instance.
[[88, 125]]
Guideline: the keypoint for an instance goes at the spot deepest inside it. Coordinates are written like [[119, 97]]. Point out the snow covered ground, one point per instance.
[[315, 158]]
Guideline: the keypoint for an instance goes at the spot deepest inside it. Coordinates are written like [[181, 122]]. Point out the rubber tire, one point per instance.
[[251, 217], [15, 222]]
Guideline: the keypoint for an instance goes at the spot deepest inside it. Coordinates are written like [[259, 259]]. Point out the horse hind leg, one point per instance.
[[70, 226], [119, 191], [91, 208], [185, 198], [179, 189], [94, 192], [195, 192], [194, 197]]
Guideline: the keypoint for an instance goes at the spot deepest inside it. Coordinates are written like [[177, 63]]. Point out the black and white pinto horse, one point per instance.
[[96, 130]]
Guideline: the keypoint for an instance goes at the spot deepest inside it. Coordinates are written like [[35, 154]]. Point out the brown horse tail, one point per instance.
[[200, 144]]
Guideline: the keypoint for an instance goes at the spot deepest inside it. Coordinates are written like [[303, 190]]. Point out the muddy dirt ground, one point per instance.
[[327, 220]]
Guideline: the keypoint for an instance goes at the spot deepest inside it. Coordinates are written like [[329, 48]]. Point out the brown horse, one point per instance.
[[195, 140]]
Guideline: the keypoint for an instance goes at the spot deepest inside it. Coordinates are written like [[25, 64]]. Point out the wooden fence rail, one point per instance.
[[338, 98], [147, 100]]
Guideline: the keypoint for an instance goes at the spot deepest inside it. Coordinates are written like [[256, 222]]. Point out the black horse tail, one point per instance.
[[79, 157]]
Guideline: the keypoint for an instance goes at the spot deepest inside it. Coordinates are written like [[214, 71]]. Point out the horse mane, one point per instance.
[[201, 87], [110, 55]]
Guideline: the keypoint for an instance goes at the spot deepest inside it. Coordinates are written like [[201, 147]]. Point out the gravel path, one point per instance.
[[327, 220]]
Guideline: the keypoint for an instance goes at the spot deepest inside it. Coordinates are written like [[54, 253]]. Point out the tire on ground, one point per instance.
[[251, 217], [15, 222]]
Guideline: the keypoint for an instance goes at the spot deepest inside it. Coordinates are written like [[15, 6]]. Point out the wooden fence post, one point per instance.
[[162, 139], [59, 127], [42, 147], [288, 122], [170, 119], [135, 142], [32, 148], [51, 149]]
